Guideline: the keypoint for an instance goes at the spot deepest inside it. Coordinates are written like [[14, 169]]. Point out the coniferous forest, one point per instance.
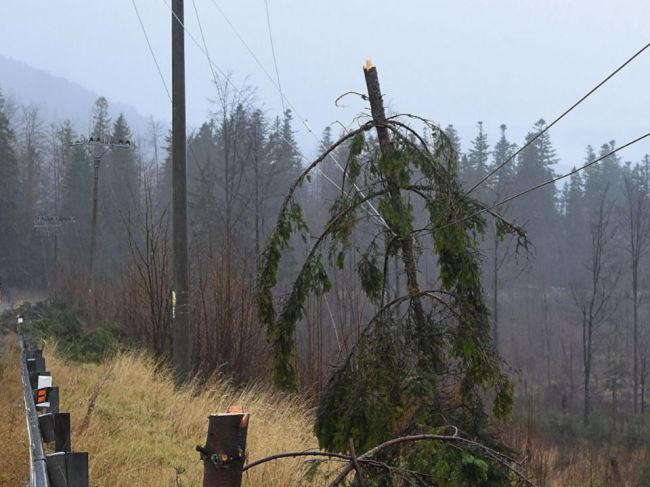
[[567, 309]]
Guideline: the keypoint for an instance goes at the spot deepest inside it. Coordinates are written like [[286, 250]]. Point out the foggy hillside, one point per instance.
[[57, 98]]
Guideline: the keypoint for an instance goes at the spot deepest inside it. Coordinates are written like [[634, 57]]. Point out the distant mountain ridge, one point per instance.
[[58, 98]]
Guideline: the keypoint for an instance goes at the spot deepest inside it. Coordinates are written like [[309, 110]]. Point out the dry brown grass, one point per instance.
[[142, 432], [553, 460], [14, 451]]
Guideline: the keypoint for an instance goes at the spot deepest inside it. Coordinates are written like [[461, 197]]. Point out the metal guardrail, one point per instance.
[[38, 463], [62, 468]]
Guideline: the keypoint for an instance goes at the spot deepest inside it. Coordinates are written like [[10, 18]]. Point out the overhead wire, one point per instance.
[[509, 159], [275, 61], [293, 108], [153, 55], [162, 78], [557, 119], [204, 50], [207, 53], [375, 213], [542, 184], [212, 67]]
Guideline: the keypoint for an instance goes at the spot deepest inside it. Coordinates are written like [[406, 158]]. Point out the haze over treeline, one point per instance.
[[569, 314], [589, 239]]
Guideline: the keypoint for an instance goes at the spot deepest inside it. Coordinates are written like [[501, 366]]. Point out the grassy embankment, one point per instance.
[[142, 431], [14, 452]]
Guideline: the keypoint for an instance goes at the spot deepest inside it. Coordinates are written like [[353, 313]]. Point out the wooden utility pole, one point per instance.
[[181, 333], [98, 148], [97, 160], [495, 288]]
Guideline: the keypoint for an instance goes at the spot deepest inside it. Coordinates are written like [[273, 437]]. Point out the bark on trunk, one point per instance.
[[406, 241]]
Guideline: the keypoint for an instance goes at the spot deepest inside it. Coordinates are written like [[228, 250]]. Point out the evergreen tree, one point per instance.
[[100, 119], [499, 187], [282, 145], [605, 176], [329, 175], [537, 210], [204, 188], [164, 182], [545, 149], [29, 152], [502, 180], [574, 207], [452, 134], [119, 202], [474, 167], [9, 199], [398, 377], [260, 180], [76, 199]]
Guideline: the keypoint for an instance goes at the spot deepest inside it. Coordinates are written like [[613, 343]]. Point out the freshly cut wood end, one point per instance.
[[369, 65]]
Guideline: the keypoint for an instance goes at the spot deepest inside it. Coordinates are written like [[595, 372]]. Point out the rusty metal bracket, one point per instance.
[[219, 460]]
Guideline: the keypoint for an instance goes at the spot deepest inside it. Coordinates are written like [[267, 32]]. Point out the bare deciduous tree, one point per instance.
[[637, 225], [594, 299]]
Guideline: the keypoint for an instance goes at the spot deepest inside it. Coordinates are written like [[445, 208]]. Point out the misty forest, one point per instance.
[[460, 294]]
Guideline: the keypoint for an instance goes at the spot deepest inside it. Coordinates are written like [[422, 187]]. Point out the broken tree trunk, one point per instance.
[[405, 241], [224, 452]]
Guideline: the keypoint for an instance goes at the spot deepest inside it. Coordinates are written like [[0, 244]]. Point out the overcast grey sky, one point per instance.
[[499, 61]]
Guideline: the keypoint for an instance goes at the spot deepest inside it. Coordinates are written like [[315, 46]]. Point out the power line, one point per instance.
[[153, 55], [293, 108], [212, 67], [541, 185], [212, 64], [155, 60], [196, 43], [560, 117], [250, 51], [205, 45], [275, 61], [227, 81]]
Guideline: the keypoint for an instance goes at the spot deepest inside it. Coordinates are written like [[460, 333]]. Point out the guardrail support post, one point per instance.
[[68, 469], [62, 435], [225, 448], [56, 428], [53, 399]]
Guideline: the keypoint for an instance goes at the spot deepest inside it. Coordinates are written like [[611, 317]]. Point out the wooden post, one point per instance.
[[225, 448]]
